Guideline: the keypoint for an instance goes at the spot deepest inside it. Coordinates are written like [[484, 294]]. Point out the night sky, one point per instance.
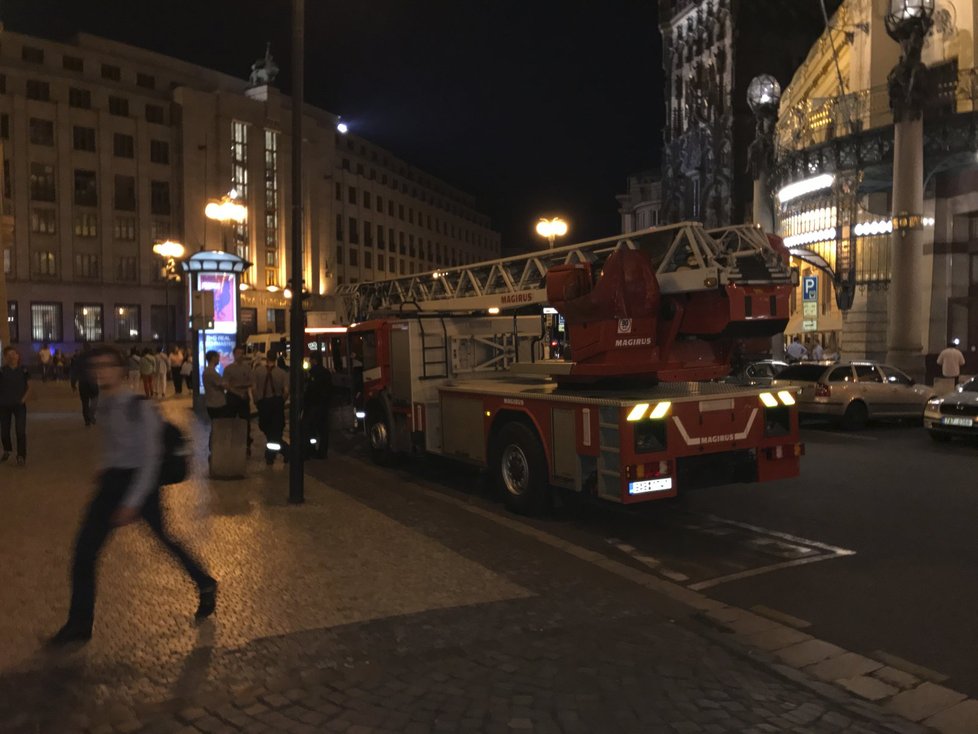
[[538, 107]]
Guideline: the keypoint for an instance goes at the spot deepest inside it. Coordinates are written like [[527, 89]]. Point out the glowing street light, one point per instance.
[[551, 229], [342, 128], [169, 249], [227, 209]]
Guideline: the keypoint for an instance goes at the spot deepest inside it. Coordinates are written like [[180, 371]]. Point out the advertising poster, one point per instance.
[[224, 286], [223, 344]]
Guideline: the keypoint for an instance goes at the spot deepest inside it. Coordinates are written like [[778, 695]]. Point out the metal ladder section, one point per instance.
[[609, 458], [434, 351], [519, 281]]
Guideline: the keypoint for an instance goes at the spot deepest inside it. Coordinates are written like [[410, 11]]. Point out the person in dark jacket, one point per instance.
[[315, 409], [84, 383], [15, 388]]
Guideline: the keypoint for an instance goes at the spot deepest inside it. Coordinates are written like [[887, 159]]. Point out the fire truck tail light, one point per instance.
[[660, 410], [822, 391], [645, 471], [638, 412], [769, 400], [360, 415], [786, 397], [663, 467]]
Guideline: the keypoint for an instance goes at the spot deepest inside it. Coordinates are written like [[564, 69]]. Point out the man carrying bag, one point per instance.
[[136, 455]]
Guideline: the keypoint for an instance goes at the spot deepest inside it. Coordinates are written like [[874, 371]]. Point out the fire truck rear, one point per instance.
[[452, 363]]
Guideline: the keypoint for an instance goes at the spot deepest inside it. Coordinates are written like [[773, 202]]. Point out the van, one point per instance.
[[258, 345]]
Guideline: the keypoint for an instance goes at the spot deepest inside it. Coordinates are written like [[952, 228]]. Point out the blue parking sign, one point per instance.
[[809, 288]]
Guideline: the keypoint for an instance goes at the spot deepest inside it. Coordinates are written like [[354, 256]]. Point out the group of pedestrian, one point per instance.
[[796, 351], [229, 395], [150, 369]]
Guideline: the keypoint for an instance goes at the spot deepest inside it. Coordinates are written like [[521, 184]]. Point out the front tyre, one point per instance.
[[379, 438], [519, 468]]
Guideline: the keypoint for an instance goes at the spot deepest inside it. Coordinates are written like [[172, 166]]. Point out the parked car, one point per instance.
[[757, 373], [955, 414], [855, 392]]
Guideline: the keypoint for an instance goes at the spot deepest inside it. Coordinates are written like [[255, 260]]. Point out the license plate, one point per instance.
[[650, 485], [962, 422]]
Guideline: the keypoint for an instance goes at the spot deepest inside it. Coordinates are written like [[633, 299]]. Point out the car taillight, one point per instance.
[[822, 391]]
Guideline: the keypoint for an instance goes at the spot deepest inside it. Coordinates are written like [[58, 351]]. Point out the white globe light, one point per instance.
[[342, 128]]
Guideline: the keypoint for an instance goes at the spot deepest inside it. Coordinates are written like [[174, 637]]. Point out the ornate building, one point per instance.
[[711, 51]]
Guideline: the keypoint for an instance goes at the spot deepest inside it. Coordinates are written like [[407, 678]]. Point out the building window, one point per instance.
[[351, 195], [159, 151], [124, 198], [86, 190], [275, 319], [110, 72], [41, 132], [123, 146], [44, 263], [83, 138], [271, 277], [125, 268], [38, 90], [390, 208], [8, 265], [339, 227], [86, 265], [154, 113], [42, 182], [380, 263], [80, 98], [118, 106], [43, 220], [380, 236], [124, 228], [162, 322], [368, 233], [239, 182], [366, 199], [392, 265], [46, 322], [353, 231], [32, 54], [86, 224], [5, 126], [127, 323], [390, 239], [159, 197], [354, 259], [147, 81], [12, 322], [271, 198], [339, 255], [339, 191], [72, 63], [368, 260], [88, 322], [159, 230]]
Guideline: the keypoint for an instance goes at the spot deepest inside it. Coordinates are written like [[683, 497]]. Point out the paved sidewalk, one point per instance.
[[369, 608]]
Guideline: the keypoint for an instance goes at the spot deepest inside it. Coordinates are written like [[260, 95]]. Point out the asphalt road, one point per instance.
[[874, 544]]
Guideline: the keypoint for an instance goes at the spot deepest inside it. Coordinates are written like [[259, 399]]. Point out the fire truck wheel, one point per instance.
[[520, 469], [379, 437], [856, 416]]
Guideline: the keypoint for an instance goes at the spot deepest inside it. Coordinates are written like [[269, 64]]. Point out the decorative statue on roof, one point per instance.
[[264, 70]]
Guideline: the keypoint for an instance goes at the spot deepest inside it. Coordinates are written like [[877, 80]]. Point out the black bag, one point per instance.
[[174, 465]]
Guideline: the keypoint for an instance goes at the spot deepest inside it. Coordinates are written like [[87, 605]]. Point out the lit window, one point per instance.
[[88, 322]]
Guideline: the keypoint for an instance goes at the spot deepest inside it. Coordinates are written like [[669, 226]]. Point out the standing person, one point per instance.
[[271, 389], [15, 388], [128, 489], [162, 370], [44, 357], [215, 399], [315, 408], [82, 381], [176, 362], [133, 362], [951, 360], [147, 371], [796, 350], [239, 378], [187, 370]]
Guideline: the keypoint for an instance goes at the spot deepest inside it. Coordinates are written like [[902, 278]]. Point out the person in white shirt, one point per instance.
[[796, 350], [818, 352], [129, 490], [950, 360]]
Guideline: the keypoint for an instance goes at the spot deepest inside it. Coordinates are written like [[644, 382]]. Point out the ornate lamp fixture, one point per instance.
[[908, 23], [763, 97]]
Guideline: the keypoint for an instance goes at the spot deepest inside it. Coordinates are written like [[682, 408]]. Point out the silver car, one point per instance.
[[855, 392], [955, 414]]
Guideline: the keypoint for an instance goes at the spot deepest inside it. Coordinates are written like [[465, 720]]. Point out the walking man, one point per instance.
[[315, 409], [45, 357], [128, 489], [951, 360], [162, 370], [176, 363], [239, 378], [82, 381], [271, 390], [15, 388], [147, 371]]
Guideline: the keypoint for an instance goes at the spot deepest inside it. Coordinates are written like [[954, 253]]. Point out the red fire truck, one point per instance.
[[452, 363]]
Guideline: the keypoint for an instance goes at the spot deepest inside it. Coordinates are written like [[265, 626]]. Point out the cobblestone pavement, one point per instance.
[[370, 608]]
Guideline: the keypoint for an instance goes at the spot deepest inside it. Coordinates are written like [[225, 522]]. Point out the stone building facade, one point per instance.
[[109, 149]]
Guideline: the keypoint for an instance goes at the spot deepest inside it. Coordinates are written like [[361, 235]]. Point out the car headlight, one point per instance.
[[934, 403]]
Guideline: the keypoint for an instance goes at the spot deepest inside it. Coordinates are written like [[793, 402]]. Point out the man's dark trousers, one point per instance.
[[18, 415], [89, 400], [96, 529], [271, 422]]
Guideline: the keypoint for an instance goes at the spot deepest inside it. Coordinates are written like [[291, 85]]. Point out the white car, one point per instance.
[[955, 414]]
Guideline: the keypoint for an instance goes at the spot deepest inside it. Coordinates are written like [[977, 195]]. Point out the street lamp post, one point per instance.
[[296, 468], [168, 251], [551, 229], [908, 23]]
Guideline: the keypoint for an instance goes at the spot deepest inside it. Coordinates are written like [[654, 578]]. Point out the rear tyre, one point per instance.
[[379, 438], [939, 437], [855, 417], [519, 469]]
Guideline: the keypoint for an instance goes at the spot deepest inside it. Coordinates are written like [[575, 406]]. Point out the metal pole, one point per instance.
[[4, 324], [296, 474]]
